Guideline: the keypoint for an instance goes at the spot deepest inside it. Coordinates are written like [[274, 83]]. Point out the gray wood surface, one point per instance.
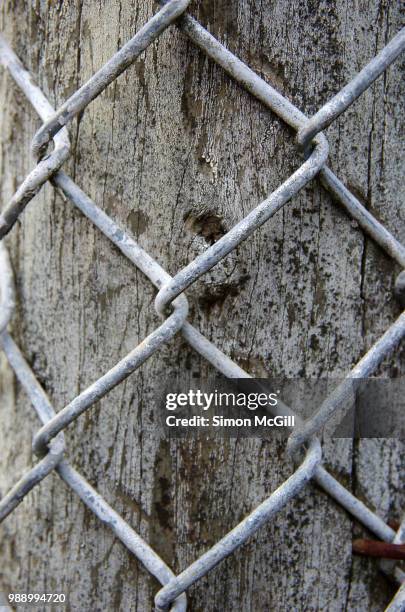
[[177, 153]]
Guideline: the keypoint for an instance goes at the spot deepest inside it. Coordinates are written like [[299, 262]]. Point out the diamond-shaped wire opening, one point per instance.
[[176, 580]]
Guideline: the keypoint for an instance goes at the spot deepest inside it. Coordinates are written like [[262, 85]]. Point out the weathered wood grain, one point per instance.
[[177, 152]]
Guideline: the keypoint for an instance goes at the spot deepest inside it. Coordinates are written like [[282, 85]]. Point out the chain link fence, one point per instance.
[[171, 302]]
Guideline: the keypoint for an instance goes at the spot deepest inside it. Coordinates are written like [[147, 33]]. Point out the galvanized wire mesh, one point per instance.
[[171, 302]]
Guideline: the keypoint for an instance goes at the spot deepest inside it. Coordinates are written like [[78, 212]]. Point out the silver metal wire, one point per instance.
[[171, 302], [346, 96], [46, 167], [398, 603], [389, 567], [135, 544]]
